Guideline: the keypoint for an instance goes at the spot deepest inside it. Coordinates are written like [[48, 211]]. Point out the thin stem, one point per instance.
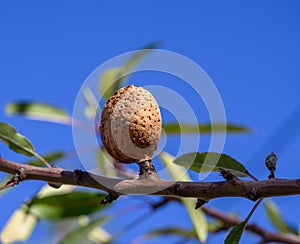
[[251, 176], [42, 159], [11, 184], [254, 208]]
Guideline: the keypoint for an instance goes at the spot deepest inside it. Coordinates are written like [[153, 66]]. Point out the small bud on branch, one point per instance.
[[271, 161]]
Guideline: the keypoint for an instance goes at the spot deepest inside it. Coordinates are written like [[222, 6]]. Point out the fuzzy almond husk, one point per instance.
[[131, 125]]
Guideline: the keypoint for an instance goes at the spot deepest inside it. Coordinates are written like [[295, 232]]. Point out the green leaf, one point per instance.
[[177, 172], [236, 233], [175, 128], [276, 218], [105, 164], [90, 110], [64, 206], [107, 81], [139, 54], [47, 191], [80, 233], [15, 141], [197, 216], [49, 157], [18, 142], [100, 235], [38, 111], [112, 79], [19, 227], [210, 161]]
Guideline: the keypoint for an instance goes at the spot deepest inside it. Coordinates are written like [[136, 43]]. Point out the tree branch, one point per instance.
[[266, 235], [205, 190]]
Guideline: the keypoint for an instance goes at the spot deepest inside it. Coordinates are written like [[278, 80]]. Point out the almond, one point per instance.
[[131, 125]]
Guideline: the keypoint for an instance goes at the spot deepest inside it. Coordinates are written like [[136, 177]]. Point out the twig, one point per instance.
[[15, 180]]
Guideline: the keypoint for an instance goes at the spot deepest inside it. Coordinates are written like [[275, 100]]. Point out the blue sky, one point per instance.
[[250, 49]]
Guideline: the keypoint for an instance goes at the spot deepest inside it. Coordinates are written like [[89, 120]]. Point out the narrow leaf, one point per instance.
[[80, 233], [236, 232], [175, 128], [107, 80], [38, 111], [177, 172], [197, 216], [100, 235], [91, 107], [210, 161], [49, 157], [105, 164], [47, 191], [69, 205], [138, 55], [276, 218], [19, 227], [15, 141], [113, 78]]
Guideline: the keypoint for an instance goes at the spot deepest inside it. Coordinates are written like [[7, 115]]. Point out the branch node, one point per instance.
[[227, 175], [252, 196], [200, 202], [112, 196], [177, 189], [19, 176], [77, 176], [55, 185], [147, 170]]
